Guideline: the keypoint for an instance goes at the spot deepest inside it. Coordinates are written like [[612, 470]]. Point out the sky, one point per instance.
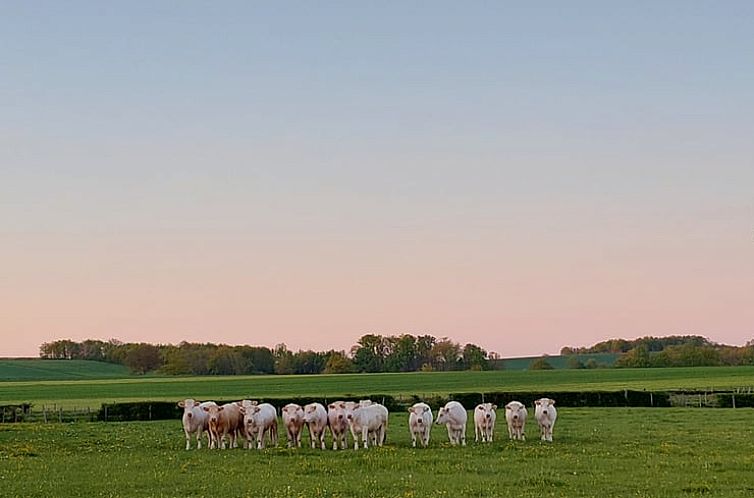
[[520, 175]]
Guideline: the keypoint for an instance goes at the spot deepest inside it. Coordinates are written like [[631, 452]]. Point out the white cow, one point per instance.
[[337, 419], [366, 419], [260, 419], [420, 423], [293, 420], [348, 407], [195, 420], [515, 416], [545, 413], [315, 417], [454, 416], [484, 422]]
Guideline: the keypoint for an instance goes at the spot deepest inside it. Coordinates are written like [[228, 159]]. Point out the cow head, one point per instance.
[[214, 414], [543, 404], [442, 416], [188, 406]]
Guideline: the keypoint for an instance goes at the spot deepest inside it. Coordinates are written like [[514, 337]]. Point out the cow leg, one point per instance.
[[365, 436]]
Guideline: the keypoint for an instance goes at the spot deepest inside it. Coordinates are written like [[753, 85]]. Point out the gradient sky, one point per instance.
[[521, 177]]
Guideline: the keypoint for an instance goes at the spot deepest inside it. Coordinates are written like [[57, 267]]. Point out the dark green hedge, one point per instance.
[[568, 399], [14, 413], [742, 400], [161, 410]]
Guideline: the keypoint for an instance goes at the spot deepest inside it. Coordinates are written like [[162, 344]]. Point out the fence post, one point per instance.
[[60, 414], [651, 399], [150, 412], [105, 413], [733, 398], [44, 412]]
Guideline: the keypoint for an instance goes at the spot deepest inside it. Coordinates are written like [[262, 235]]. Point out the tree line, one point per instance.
[[670, 351], [372, 353]]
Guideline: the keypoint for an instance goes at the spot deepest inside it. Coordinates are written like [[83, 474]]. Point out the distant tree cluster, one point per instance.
[[671, 351], [408, 353], [652, 344], [372, 353]]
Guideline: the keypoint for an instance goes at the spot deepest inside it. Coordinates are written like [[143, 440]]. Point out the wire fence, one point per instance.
[[742, 397]]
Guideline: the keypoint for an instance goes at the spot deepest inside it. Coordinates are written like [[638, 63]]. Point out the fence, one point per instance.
[[163, 410], [26, 412]]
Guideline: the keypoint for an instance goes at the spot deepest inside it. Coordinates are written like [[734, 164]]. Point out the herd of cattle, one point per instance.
[[366, 421]]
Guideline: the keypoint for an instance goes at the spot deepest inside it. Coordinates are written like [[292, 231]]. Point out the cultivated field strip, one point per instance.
[[92, 393]]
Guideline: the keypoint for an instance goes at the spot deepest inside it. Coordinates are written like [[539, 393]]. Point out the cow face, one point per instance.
[[442, 416], [214, 414], [543, 404], [486, 410], [188, 406], [249, 413], [310, 412]]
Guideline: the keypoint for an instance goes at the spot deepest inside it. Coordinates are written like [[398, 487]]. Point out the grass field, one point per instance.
[[36, 369], [91, 393], [558, 361], [597, 453]]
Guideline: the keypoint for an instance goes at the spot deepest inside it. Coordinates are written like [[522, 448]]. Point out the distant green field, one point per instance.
[[559, 361], [91, 393], [36, 369], [597, 452]]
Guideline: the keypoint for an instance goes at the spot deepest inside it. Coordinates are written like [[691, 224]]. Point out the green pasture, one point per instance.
[[92, 393], [597, 452], [36, 369], [557, 361]]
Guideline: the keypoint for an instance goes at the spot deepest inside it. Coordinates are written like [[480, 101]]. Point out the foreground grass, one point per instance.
[[597, 453], [91, 393]]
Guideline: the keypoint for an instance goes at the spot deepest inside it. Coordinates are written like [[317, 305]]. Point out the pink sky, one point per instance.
[[523, 292]]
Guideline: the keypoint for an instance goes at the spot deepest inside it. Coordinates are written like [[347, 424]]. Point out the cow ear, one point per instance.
[[255, 403], [494, 407], [538, 402], [411, 410], [242, 410], [181, 404], [239, 403], [552, 402]]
